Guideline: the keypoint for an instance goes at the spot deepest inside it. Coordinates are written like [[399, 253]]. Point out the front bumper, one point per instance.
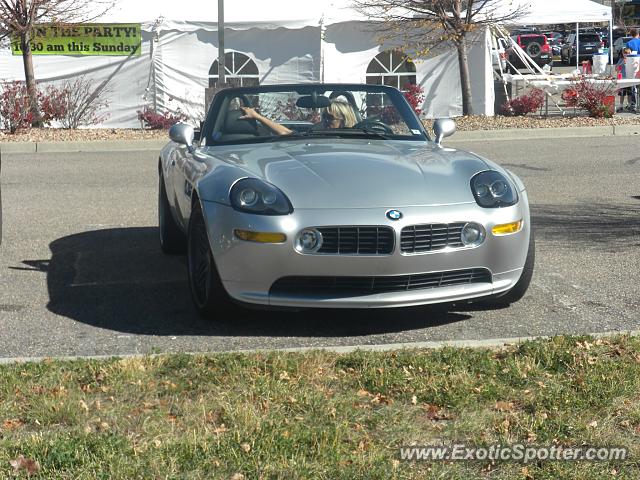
[[248, 270]]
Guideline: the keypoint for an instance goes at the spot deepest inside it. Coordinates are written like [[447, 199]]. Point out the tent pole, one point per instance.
[[221, 60], [577, 45], [611, 40]]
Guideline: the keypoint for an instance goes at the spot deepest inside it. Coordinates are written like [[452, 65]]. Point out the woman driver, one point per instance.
[[338, 114]]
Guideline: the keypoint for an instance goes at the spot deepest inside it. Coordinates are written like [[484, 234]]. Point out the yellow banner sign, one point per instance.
[[84, 39]]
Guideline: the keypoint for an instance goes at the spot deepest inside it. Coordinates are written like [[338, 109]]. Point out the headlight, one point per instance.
[[255, 196], [491, 189]]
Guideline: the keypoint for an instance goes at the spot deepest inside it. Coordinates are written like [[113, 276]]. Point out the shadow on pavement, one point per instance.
[[118, 279], [604, 226]]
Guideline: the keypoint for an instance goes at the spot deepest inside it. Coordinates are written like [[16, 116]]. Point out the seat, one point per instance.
[[235, 128]]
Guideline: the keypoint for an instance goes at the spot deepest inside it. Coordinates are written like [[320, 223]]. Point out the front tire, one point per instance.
[[172, 239], [208, 294]]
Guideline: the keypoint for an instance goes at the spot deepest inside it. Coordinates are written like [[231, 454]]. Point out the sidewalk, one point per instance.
[[477, 135]]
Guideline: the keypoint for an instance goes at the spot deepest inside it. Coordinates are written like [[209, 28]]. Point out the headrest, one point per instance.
[[233, 124]]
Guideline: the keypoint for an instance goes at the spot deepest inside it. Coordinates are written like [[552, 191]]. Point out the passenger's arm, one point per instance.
[[250, 113]]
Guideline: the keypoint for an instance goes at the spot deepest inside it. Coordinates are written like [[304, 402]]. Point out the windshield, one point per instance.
[[271, 113]]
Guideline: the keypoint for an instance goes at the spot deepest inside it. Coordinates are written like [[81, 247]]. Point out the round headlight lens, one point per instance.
[[473, 234], [483, 191], [492, 189], [269, 198], [248, 197], [499, 188], [257, 196], [309, 240]]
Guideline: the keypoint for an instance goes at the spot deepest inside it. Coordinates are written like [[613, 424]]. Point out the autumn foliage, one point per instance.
[[524, 104]]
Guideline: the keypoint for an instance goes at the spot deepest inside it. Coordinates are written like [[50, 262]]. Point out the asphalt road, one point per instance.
[[81, 272]]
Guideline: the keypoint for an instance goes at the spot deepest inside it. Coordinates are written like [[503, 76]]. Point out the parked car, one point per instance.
[[556, 44], [535, 45], [589, 44], [618, 45], [358, 209]]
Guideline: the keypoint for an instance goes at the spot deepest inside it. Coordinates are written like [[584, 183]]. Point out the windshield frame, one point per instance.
[[403, 107]]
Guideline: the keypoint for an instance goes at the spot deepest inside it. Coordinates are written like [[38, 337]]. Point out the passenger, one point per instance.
[[339, 114]]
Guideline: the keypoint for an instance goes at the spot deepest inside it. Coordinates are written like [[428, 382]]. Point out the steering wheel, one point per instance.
[[374, 125]]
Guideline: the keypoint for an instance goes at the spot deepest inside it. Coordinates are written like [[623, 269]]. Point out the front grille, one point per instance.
[[356, 240], [429, 237], [351, 286]]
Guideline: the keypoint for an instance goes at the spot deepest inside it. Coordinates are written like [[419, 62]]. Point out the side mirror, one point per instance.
[[443, 127], [183, 134]]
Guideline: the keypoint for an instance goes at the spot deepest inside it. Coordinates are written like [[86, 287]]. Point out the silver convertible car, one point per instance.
[[334, 195]]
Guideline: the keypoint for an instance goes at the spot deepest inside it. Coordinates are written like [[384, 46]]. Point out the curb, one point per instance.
[[548, 133], [491, 343], [76, 147], [476, 135]]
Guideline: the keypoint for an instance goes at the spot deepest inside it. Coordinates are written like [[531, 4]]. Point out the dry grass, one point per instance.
[[320, 415]]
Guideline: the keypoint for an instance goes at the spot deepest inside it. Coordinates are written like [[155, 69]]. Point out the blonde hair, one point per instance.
[[626, 50], [342, 111]]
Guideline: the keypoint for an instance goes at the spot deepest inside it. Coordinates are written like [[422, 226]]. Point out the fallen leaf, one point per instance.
[[246, 448], [593, 424], [236, 476], [26, 464], [379, 399], [284, 376], [220, 429], [84, 406], [503, 406], [363, 393], [12, 424], [435, 413], [525, 473], [414, 400]]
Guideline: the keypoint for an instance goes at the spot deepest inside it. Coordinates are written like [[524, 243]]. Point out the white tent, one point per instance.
[[289, 41], [546, 12]]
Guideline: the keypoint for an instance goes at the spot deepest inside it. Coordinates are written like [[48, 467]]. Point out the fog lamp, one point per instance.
[[473, 234], [309, 241]]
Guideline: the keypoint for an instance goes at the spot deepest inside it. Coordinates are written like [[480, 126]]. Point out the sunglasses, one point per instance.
[[328, 117]]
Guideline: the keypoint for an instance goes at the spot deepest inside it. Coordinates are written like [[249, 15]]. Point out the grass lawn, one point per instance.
[[321, 415]]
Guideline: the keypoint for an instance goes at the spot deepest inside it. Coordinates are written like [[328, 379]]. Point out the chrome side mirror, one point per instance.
[[183, 134], [443, 127]]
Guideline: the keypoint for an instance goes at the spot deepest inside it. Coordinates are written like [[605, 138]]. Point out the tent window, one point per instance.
[[393, 68], [240, 71]]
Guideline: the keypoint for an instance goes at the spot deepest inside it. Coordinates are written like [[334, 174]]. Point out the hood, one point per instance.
[[355, 173]]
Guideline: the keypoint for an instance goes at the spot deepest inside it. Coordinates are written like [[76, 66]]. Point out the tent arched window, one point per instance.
[[393, 68], [240, 71]]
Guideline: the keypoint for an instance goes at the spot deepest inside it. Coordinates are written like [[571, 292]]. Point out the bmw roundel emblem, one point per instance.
[[394, 215]]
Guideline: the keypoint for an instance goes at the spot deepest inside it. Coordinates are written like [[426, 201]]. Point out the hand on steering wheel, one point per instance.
[[374, 125]]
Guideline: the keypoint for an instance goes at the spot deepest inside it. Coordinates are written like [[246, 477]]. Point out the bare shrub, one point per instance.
[[80, 104]]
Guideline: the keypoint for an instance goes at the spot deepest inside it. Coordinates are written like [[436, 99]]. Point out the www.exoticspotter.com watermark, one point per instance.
[[516, 452]]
